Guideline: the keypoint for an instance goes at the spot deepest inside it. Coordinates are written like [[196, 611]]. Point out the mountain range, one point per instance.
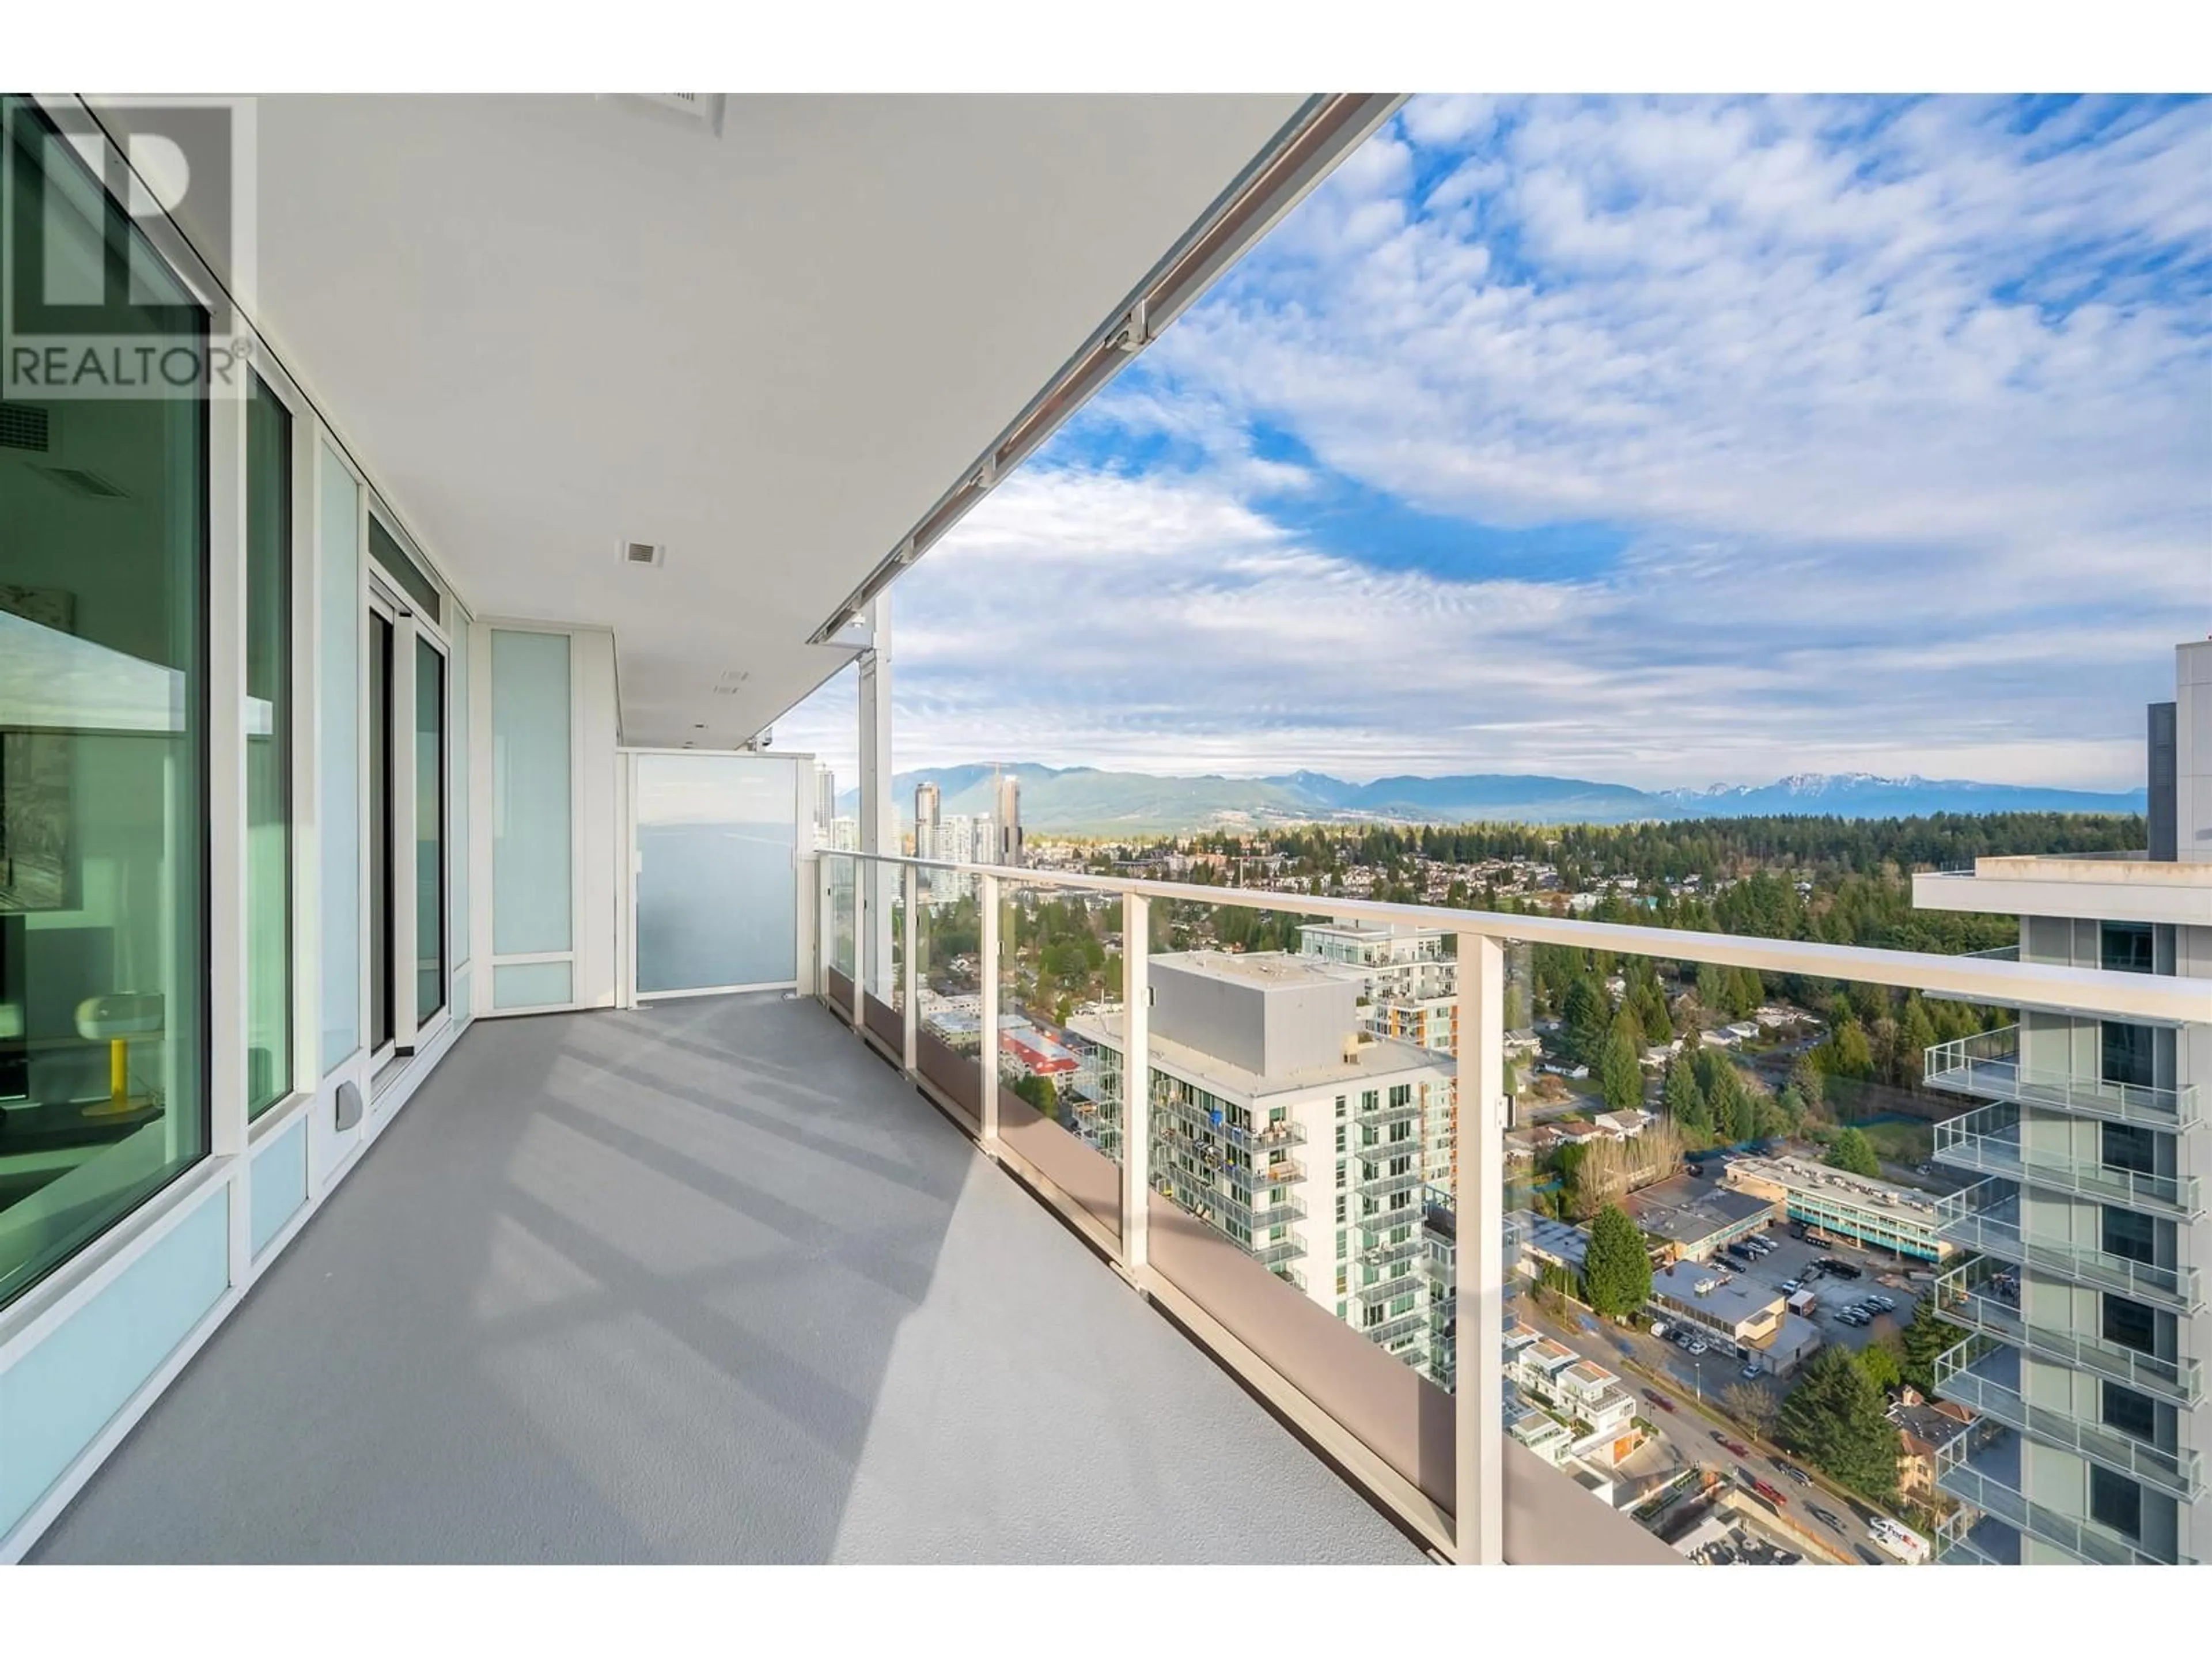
[[1083, 800]]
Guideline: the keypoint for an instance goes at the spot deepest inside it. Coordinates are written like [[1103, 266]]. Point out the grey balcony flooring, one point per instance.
[[705, 1282]]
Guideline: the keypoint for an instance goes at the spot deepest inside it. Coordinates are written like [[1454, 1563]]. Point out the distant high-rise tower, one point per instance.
[[1007, 804], [926, 802]]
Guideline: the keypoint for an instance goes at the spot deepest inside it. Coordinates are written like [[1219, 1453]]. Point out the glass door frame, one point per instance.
[[629, 995], [409, 1032]]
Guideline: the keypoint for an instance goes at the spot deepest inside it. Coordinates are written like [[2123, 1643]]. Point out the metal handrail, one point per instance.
[[1988, 1065], [2179, 1472], [1986, 1217], [2177, 1380], [1987, 1140], [1976, 1484], [2160, 998]]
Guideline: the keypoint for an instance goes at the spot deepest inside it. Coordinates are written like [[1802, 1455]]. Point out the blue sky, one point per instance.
[[1667, 441]]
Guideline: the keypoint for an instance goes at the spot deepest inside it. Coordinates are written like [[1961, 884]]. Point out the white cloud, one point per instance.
[[1902, 412]]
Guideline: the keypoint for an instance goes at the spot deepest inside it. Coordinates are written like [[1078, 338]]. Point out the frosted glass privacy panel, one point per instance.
[[532, 870], [717, 890], [337, 644]]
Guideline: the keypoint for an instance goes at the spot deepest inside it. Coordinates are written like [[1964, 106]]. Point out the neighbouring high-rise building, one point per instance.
[[1006, 804], [1289, 1127], [2083, 1314], [926, 805]]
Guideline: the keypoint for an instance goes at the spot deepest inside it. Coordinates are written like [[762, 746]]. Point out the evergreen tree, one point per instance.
[[1616, 1269], [1807, 1079], [1880, 1361], [1679, 1094], [1620, 1073], [1834, 1419], [1919, 1343], [1853, 1151], [1916, 1036], [1846, 1053], [1586, 1016]]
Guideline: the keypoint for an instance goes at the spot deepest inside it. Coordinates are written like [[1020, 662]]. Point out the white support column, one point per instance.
[[986, 1030], [878, 811], [1136, 1082], [909, 979], [1479, 1413]]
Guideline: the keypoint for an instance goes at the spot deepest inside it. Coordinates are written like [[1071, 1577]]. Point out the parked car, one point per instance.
[[1749, 1371], [1886, 1304], [1698, 1345], [1658, 1328], [1793, 1285]]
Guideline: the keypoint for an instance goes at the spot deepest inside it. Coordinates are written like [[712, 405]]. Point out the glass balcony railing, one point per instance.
[[1985, 1217], [1383, 1223], [1989, 1304], [1988, 1141], [1988, 1065], [1984, 1470], [1984, 1377], [1384, 1255], [1382, 1114], [1388, 1186], [1967, 1537], [1390, 1289], [1396, 1329]]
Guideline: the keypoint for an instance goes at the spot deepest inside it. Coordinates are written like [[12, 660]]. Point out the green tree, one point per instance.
[[1808, 1081], [1847, 1052], [1882, 1364], [1834, 1419], [1585, 1018], [1620, 1073], [1616, 1268], [1679, 1094], [1041, 1092], [1916, 1036], [1852, 1150], [1922, 1339]]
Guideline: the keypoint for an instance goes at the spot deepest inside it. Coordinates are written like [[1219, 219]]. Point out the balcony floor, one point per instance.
[[705, 1282]]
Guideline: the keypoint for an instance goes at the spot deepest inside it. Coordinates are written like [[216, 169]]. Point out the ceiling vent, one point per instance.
[[705, 108], [27, 426], [652, 553], [81, 481]]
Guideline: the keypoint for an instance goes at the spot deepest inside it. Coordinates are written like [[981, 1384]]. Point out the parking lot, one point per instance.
[[1881, 1274]]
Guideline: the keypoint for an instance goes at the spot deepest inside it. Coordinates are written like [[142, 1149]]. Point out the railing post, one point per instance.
[[1479, 1521], [986, 1032], [911, 979], [860, 947], [1136, 1083], [824, 925]]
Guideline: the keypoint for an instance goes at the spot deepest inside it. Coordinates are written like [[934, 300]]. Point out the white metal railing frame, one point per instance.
[[1476, 1535], [2179, 1472], [1987, 1064], [1987, 1139], [1987, 1489], [1961, 1298], [1986, 1217]]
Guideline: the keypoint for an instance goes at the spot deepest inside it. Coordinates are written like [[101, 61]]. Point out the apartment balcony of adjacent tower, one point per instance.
[[1988, 1141], [1982, 1469], [1978, 1297], [1987, 1376], [1986, 1217], [1988, 1067]]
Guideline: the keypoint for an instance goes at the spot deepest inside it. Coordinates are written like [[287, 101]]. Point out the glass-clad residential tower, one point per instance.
[[2088, 1168]]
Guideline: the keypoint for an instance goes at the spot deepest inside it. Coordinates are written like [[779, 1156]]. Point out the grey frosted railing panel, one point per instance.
[[717, 889]]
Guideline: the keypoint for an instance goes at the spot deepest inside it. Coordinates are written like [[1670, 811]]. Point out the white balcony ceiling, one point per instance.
[[549, 326]]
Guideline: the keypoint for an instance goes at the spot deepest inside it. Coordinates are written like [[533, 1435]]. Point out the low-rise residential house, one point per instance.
[[1621, 1126], [1924, 1427]]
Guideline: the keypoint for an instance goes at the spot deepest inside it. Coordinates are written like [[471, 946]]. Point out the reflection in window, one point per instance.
[[103, 687], [268, 750], [2128, 1054]]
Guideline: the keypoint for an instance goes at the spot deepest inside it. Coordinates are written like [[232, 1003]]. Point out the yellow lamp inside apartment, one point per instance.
[[116, 1019]]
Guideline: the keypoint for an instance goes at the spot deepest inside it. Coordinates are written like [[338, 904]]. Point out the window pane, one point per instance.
[[103, 794], [2115, 1501], [267, 751], [2127, 946], [717, 889], [338, 653], [2129, 1147], [530, 859], [2130, 1324], [2130, 1412], [430, 831], [2129, 1235], [392, 560], [2128, 1054]]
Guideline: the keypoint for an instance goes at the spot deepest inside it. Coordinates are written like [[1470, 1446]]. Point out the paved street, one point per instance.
[[1693, 1431]]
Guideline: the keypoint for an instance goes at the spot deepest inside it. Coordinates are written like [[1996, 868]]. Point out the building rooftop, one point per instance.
[[1803, 1175], [1268, 969], [1687, 1212], [1561, 1240], [1730, 1300], [1376, 1060]]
